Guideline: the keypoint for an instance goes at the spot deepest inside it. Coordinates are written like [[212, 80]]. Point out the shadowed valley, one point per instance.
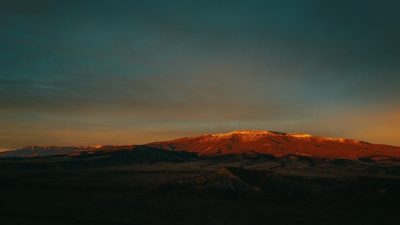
[[242, 177]]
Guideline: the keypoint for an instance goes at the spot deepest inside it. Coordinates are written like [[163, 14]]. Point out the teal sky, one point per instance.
[[126, 72]]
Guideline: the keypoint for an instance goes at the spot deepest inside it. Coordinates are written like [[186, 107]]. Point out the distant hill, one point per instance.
[[37, 151]]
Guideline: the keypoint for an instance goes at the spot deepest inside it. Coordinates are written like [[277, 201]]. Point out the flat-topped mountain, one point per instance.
[[277, 144]]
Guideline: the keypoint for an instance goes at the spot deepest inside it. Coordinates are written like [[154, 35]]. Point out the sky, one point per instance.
[[132, 72]]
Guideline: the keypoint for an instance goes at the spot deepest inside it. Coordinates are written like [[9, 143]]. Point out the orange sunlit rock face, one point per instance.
[[249, 142], [278, 144]]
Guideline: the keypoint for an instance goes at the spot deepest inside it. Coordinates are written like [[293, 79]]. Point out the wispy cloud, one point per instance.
[[82, 72]]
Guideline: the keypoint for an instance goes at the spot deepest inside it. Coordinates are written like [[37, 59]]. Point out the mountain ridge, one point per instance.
[[277, 144], [238, 142]]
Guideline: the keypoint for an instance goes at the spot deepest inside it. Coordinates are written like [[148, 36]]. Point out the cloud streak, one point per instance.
[[150, 70]]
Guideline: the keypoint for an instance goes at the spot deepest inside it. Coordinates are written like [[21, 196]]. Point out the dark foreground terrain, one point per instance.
[[222, 190]]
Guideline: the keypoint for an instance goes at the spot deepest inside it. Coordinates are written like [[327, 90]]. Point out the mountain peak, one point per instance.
[[262, 133], [248, 132], [255, 134], [249, 135]]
